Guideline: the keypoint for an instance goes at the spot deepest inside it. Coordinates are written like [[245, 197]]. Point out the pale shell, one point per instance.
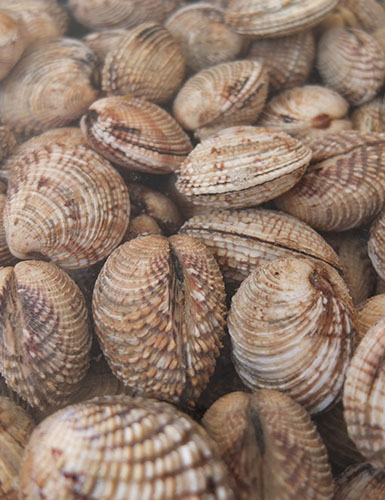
[[368, 313], [376, 245], [12, 41], [370, 116]]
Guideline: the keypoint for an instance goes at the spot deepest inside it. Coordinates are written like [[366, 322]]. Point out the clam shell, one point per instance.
[[67, 204], [159, 308], [119, 448], [45, 339], [369, 312], [12, 41], [291, 324], [135, 134], [370, 116], [368, 15], [6, 258], [360, 481], [242, 166], [376, 245], [101, 42]]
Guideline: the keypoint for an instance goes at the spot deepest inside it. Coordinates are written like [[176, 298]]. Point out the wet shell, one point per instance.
[[361, 481], [272, 18], [370, 116], [364, 396], [241, 240], [67, 204], [147, 62], [241, 167], [16, 427], [102, 42], [291, 324], [44, 334], [159, 313], [288, 60], [135, 134], [368, 313], [50, 86], [118, 447], [231, 93], [351, 62], [12, 41], [270, 445], [376, 245], [344, 186]]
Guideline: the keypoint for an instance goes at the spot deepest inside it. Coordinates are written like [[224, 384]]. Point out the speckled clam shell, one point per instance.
[[351, 62], [67, 204], [270, 445], [272, 18], [291, 324], [231, 93], [344, 186], [101, 42], [13, 41], [50, 86], [369, 312], [159, 313], [136, 134], [45, 339], [364, 396], [288, 60], [241, 240], [241, 167], [147, 62], [16, 427], [119, 448], [360, 481], [306, 112], [370, 116]]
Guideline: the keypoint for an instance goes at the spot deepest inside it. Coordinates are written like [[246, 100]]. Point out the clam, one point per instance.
[[101, 42], [6, 258], [369, 117], [368, 15], [12, 41], [360, 481], [369, 312]]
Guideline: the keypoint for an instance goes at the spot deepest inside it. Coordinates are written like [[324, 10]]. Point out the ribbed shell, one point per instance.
[[364, 396], [242, 166], [231, 93], [67, 204], [119, 448], [351, 62], [292, 329], [274, 18], [344, 187], [369, 15], [44, 335], [6, 258], [376, 245], [49, 87], [370, 116], [241, 240], [15, 429], [136, 134], [360, 481], [101, 42], [159, 312], [12, 41], [271, 446], [368, 313], [147, 62]]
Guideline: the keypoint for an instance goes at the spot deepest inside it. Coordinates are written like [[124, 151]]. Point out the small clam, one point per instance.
[[360, 481], [369, 117], [12, 41]]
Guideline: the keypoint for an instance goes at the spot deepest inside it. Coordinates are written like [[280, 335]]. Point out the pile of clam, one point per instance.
[[192, 229]]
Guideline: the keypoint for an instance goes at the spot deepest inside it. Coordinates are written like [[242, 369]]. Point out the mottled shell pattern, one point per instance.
[[135, 134], [292, 326]]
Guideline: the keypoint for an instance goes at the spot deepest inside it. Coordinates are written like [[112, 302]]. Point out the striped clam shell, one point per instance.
[[360, 481], [369, 312], [369, 117], [6, 258], [135, 134], [101, 42], [376, 245], [13, 41], [292, 329]]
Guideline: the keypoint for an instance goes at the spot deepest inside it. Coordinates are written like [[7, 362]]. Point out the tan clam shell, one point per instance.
[[44, 332], [122, 448], [376, 245], [16, 427], [49, 87], [368, 15], [291, 324], [344, 186], [242, 166], [67, 204], [364, 396], [272, 18], [101, 42], [369, 312], [370, 116], [12, 41], [147, 62], [135, 134], [360, 481], [351, 62], [270, 444], [159, 308], [231, 93], [241, 240], [6, 258]]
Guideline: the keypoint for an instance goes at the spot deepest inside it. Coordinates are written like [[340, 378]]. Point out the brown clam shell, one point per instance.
[[12, 41], [376, 245], [369, 312], [369, 117], [360, 481], [101, 42], [6, 258]]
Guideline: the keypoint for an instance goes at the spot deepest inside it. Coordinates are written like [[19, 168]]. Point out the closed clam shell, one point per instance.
[[241, 240], [16, 427], [159, 308], [231, 93], [50, 86], [101, 42], [272, 18], [135, 134], [369, 117], [364, 396], [369, 312], [147, 62], [44, 332], [376, 245], [368, 15], [270, 444], [344, 186], [118, 447], [6, 258], [242, 166], [351, 62], [291, 324], [67, 204], [360, 481], [12, 41]]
